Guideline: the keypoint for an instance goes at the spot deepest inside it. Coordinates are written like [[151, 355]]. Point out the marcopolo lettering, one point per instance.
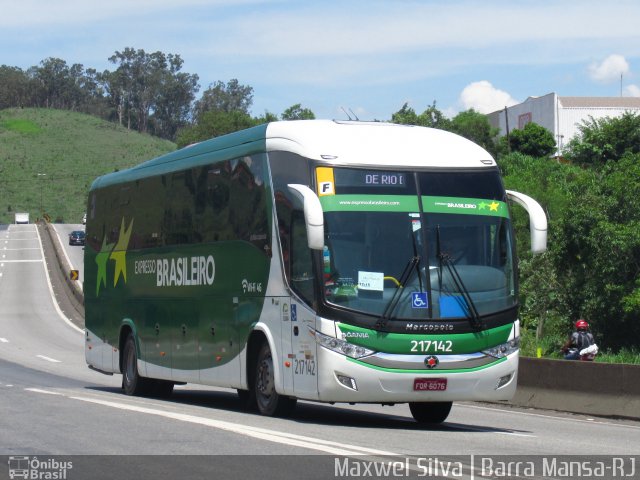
[[185, 271]]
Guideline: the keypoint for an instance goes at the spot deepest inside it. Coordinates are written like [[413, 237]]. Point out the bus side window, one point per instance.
[[302, 278]]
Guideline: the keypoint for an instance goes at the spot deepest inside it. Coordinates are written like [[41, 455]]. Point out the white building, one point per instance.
[[561, 115]]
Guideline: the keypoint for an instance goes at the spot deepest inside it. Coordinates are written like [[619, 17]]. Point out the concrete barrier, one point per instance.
[[63, 264], [602, 389]]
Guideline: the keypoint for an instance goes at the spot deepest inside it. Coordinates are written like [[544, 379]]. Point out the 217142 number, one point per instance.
[[305, 367], [431, 346]]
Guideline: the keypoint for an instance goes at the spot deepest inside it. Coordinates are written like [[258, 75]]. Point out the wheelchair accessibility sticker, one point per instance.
[[419, 300]]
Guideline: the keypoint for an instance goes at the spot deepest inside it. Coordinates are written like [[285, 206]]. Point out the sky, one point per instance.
[[365, 57]]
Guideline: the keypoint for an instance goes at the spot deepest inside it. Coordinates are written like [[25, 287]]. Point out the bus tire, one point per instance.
[[132, 382], [430, 412], [268, 401]]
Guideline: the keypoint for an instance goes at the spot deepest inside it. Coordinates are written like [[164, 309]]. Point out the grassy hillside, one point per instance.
[[48, 159]]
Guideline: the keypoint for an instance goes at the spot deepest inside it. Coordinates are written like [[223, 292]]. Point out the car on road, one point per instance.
[[84, 219], [76, 237]]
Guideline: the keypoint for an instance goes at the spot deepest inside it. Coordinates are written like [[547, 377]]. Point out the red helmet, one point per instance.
[[582, 325]]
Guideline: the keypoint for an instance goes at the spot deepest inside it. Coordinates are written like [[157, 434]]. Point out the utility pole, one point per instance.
[[41, 190], [506, 121]]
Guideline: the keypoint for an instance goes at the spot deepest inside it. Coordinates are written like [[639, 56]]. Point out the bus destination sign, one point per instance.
[[370, 178]]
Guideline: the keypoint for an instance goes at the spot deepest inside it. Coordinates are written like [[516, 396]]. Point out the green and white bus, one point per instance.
[[318, 260]]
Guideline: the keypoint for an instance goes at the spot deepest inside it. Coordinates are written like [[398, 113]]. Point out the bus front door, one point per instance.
[[304, 366]]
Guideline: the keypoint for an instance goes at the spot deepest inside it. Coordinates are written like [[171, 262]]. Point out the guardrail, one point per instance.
[[602, 389]]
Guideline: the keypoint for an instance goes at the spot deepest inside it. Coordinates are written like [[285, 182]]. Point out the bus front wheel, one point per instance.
[[132, 382], [430, 412], [268, 401]]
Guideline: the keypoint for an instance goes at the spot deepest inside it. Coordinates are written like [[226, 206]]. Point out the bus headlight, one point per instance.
[[340, 346], [504, 349]]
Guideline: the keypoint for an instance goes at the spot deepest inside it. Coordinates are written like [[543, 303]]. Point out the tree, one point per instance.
[[533, 140], [434, 118], [605, 139], [145, 85], [405, 116], [296, 112], [14, 87], [214, 124], [597, 252], [176, 92], [224, 98], [475, 126], [431, 117], [266, 118], [58, 84]]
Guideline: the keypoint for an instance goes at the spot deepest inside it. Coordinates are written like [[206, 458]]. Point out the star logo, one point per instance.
[[101, 262], [119, 253], [493, 207], [431, 361]]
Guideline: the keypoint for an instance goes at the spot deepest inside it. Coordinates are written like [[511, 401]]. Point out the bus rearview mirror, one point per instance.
[[537, 220], [313, 215]]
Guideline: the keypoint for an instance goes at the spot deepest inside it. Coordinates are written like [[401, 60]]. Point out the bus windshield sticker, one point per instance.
[[419, 300], [373, 281], [324, 175]]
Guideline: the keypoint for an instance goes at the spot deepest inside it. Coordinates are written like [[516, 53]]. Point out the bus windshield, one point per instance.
[[434, 246]]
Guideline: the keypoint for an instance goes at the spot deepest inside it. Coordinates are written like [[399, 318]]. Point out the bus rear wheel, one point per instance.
[[268, 401], [430, 412]]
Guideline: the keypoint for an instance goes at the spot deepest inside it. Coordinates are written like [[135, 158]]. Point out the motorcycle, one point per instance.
[[586, 354]]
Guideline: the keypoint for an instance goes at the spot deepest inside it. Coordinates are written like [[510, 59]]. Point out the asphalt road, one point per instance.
[[51, 404]]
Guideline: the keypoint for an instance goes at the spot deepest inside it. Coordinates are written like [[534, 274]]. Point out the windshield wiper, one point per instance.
[[412, 266], [468, 305]]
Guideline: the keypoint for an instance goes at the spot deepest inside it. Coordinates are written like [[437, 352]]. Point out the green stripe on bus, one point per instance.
[[435, 343], [409, 204], [427, 372], [369, 203], [465, 206]]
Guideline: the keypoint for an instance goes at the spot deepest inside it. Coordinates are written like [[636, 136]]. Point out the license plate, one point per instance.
[[430, 384]]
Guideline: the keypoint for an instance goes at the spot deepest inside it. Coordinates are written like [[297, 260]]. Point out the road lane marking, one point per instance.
[[48, 359], [340, 449], [47, 392], [558, 416], [275, 436], [23, 261], [3, 340], [318, 444]]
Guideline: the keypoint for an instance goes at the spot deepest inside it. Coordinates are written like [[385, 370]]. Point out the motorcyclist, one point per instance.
[[578, 341]]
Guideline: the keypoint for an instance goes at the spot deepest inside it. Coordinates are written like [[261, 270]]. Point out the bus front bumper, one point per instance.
[[342, 379]]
